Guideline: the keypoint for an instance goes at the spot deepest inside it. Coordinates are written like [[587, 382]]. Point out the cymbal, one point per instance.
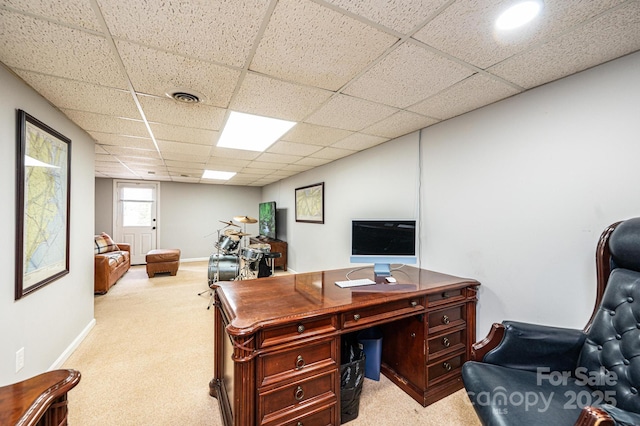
[[245, 219], [229, 223]]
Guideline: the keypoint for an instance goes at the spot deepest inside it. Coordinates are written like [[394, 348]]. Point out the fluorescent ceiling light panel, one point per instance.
[[518, 15], [214, 174], [252, 132]]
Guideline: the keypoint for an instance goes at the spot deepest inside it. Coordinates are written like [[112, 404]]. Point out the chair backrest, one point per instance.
[[610, 358]]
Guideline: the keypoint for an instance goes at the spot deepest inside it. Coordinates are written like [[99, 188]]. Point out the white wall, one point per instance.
[[47, 322], [190, 214], [381, 182], [516, 194]]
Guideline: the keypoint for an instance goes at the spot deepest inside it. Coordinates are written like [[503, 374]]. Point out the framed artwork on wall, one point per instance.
[[42, 205], [310, 203]]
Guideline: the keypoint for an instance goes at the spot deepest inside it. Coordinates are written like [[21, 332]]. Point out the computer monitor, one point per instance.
[[383, 242]]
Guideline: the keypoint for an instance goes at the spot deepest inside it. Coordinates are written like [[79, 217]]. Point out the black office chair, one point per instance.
[[528, 374]]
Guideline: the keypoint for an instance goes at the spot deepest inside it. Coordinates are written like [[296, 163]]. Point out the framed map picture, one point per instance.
[[310, 203], [42, 222]]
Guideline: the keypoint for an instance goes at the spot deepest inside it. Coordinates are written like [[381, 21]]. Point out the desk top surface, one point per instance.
[[252, 303]]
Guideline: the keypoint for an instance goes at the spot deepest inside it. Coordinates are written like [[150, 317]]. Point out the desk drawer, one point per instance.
[[450, 342], [297, 330], [442, 369], [280, 366], [445, 296], [366, 315], [324, 417], [297, 398], [446, 318]]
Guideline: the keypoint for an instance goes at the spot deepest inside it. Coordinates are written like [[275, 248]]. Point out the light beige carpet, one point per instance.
[[149, 360]]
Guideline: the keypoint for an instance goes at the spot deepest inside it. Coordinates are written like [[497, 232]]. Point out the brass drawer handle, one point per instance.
[[445, 295], [446, 366], [446, 342], [414, 303], [356, 317], [299, 363], [299, 424], [300, 328], [299, 395], [445, 319]]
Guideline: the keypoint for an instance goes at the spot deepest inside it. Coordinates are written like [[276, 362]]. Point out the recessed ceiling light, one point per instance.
[[252, 132], [214, 174], [518, 15]]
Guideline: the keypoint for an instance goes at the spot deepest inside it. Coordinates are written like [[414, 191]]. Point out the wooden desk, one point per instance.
[[277, 341]]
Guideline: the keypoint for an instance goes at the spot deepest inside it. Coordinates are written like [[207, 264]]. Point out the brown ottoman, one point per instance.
[[163, 260]]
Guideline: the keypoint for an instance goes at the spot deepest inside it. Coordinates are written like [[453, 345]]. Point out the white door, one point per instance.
[[136, 217]]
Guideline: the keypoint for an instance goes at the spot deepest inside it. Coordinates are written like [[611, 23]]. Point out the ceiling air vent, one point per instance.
[[185, 96]]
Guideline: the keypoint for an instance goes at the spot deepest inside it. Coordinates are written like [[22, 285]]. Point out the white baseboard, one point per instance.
[[73, 346]]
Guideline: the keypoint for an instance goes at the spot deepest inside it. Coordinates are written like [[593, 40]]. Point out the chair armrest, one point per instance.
[[532, 346], [124, 246], [607, 415], [493, 339]]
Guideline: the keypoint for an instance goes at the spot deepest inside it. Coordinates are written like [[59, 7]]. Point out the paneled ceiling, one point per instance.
[[353, 74]]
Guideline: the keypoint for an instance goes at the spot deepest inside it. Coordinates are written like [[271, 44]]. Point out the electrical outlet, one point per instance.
[[19, 359]]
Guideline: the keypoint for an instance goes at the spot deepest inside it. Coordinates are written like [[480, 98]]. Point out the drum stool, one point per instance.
[[163, 260]]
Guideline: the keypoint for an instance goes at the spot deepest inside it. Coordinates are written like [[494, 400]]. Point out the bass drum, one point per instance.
[[227, 265]]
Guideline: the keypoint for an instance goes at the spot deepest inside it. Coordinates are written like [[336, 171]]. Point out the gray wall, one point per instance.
[[48, 322], [514, 194], [190, 214]]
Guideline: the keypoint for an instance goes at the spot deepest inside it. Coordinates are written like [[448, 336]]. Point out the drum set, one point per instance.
[[234, 260]]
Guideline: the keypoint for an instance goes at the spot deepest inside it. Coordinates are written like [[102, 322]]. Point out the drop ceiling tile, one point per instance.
[[145, 169], [465, 29], [188, 171], [312, 162], [278, 158], [107, 124], [222, 31], [185, 164], [298, 168], [349, 113], [73, 12], [312, 44], [130, 152], [306, 133], [401, 123], [121, 140], [77, 95], [266, 165], [34, 44], [281, 174], [156, 161], [398, 15], [156, 72], [178, 156], [359, 141], [407, 75], [168, 111], [330, 153], [256, 171], [474, 92], [293, 148], [601, 40], [184, 134], [216, 163], [269, 97], [194, 149], [238, 154], [105, 158], [99, 149]]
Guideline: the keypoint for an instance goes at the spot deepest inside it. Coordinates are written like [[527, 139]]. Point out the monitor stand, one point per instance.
[[381, 269]]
